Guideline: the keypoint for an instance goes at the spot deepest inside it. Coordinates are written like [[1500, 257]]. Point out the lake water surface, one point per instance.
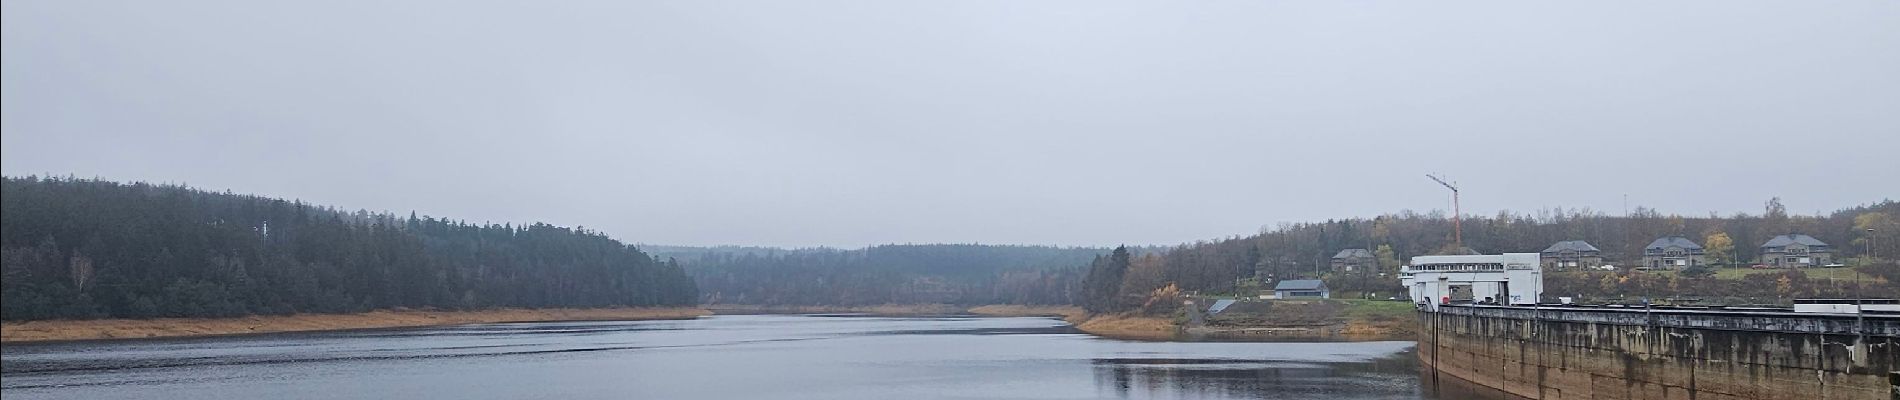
[[718, 357]]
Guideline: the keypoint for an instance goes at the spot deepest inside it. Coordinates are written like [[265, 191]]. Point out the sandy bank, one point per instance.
[[33, 331], [1126, 326]]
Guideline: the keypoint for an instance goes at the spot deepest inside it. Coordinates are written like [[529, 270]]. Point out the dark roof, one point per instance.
[[1461, 251], [1677, 241], [1572, 245], [1300, 284], [1347, 253], [1793, 238]]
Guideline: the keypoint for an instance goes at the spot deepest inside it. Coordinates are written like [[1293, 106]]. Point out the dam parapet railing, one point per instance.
[[1751, 320], [1596, 352]]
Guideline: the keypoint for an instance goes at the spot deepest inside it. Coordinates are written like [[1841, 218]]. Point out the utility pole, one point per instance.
[[1457, 229]]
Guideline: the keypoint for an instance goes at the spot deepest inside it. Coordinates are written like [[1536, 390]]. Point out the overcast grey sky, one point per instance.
[[847, 123]]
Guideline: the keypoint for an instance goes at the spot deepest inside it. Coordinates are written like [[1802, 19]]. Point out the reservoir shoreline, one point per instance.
[[1133, 327], [100, 329], [1118, 326]]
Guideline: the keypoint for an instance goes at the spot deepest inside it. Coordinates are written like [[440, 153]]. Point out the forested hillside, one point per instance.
[[76, 248], [1303, 250], [903, 274]]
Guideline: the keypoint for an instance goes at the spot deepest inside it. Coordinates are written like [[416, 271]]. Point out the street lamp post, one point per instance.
[[1860, 311], [1866, 259]]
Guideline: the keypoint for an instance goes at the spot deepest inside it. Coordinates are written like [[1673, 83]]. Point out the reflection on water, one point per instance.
[[1449, 387], [721, 357], [1391, 377]]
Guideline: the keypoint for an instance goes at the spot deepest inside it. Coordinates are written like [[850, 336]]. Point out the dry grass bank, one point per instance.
[[1381, 329], [34, 331], [1130, 327]]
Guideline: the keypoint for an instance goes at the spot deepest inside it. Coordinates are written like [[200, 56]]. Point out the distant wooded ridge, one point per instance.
[[886, 274], [78, 248], [81, 248]]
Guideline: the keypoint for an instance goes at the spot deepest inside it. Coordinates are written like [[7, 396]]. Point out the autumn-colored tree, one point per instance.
[[1162, 300], [1719, 247], [1388, 259]]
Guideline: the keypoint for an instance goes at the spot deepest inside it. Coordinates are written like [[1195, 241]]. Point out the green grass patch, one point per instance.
[[1369, 309]]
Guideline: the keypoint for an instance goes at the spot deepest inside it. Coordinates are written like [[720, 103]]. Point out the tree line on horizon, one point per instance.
[[77, 248], [887, 274], [81, 248]]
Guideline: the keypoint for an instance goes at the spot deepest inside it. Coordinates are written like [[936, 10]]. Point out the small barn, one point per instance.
[[1301, 288]]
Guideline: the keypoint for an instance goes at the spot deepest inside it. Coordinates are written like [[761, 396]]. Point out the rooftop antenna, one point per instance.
[[1457, 230]]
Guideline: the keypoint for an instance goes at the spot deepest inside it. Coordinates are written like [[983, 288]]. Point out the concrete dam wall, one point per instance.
[[1592, 353]]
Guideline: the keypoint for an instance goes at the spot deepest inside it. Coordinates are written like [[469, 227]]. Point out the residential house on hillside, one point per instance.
[[1301, 288], [1352, 259], [1671, 252], [1796, 250], [1571, 254]]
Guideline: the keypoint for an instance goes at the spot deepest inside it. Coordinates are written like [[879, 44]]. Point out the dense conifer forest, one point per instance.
[[80, 248]]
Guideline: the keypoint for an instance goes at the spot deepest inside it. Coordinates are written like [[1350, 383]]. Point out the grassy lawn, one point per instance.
[[1363, 309]]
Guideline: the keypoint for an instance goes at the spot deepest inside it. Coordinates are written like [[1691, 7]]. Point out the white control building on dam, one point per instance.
[[1510, 278]]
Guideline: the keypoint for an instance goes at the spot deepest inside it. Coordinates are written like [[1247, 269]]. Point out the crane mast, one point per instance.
[[1457, 229]]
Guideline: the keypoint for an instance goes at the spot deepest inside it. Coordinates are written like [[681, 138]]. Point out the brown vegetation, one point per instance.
[[1130, 326], [48, 330]]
